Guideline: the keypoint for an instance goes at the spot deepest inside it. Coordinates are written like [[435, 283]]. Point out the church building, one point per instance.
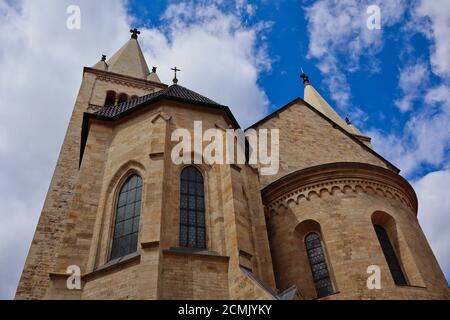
[[334, 217]]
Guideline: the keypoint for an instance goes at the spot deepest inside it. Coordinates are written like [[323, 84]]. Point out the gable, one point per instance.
[[186, 113], [174, 93], [308, 138]]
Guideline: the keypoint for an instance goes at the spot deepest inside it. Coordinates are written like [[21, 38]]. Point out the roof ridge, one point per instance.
[[342, 129], [176, 86], [175, 92]]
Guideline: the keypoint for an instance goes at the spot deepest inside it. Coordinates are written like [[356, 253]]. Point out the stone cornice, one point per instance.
[[338, 177], [124, 80]]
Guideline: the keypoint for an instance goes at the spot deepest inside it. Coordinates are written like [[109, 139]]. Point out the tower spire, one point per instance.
[[101, 65], [320, 104], [129, 60]]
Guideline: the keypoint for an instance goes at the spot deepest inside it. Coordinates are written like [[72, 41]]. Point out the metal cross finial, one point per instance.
[[134, 33], [103, 57], [175, 69]]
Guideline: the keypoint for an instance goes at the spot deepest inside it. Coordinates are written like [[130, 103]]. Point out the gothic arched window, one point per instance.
[[128, 212], [192, 209], [318, 264], [110, 98], [390, 256]]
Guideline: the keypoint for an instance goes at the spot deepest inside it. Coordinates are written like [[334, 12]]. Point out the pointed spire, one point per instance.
[[129, 60], [101, 65], [153, 76], [320, 104]]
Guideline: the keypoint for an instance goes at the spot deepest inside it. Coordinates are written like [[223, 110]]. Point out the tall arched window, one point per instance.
[[318, 264], [192, 209], [128, 212], [110, 98], [390, 256]]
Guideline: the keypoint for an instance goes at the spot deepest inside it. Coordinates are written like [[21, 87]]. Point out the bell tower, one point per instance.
[[123, 77]]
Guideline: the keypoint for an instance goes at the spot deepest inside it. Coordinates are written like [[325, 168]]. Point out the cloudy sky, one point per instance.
[[394, 83]]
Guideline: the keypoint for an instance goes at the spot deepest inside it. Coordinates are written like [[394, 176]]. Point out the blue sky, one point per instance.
[[374, 85], [393, 83]]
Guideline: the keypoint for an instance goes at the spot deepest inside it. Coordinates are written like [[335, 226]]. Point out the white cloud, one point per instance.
[[425, 139], [412, 82], [339, 39], [434, 214], [41, 65], [436, 26], [219, 55]]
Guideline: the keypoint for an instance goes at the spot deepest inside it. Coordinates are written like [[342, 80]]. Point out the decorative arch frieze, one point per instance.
[[125, 80], [336, 179]]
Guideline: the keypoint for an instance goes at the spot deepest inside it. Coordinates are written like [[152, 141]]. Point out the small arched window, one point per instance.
[[128, 212], [192, 209], [318, 263], [110, 98], [390, 256], [123, 97]]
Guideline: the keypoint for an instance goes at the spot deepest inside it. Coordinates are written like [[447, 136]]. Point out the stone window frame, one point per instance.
[[401, 249], [322, 248], [109, 227], [204, 171], [198, 227], [303, 229], [104, 235], [134, 216]]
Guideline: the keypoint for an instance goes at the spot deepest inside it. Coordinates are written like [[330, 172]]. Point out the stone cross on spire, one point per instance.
[[134, 33], [175, 69]]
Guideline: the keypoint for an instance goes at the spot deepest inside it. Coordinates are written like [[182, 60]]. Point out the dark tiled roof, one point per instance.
[[174, 92]]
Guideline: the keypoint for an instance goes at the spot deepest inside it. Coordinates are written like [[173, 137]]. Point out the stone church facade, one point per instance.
[[141, 227]]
